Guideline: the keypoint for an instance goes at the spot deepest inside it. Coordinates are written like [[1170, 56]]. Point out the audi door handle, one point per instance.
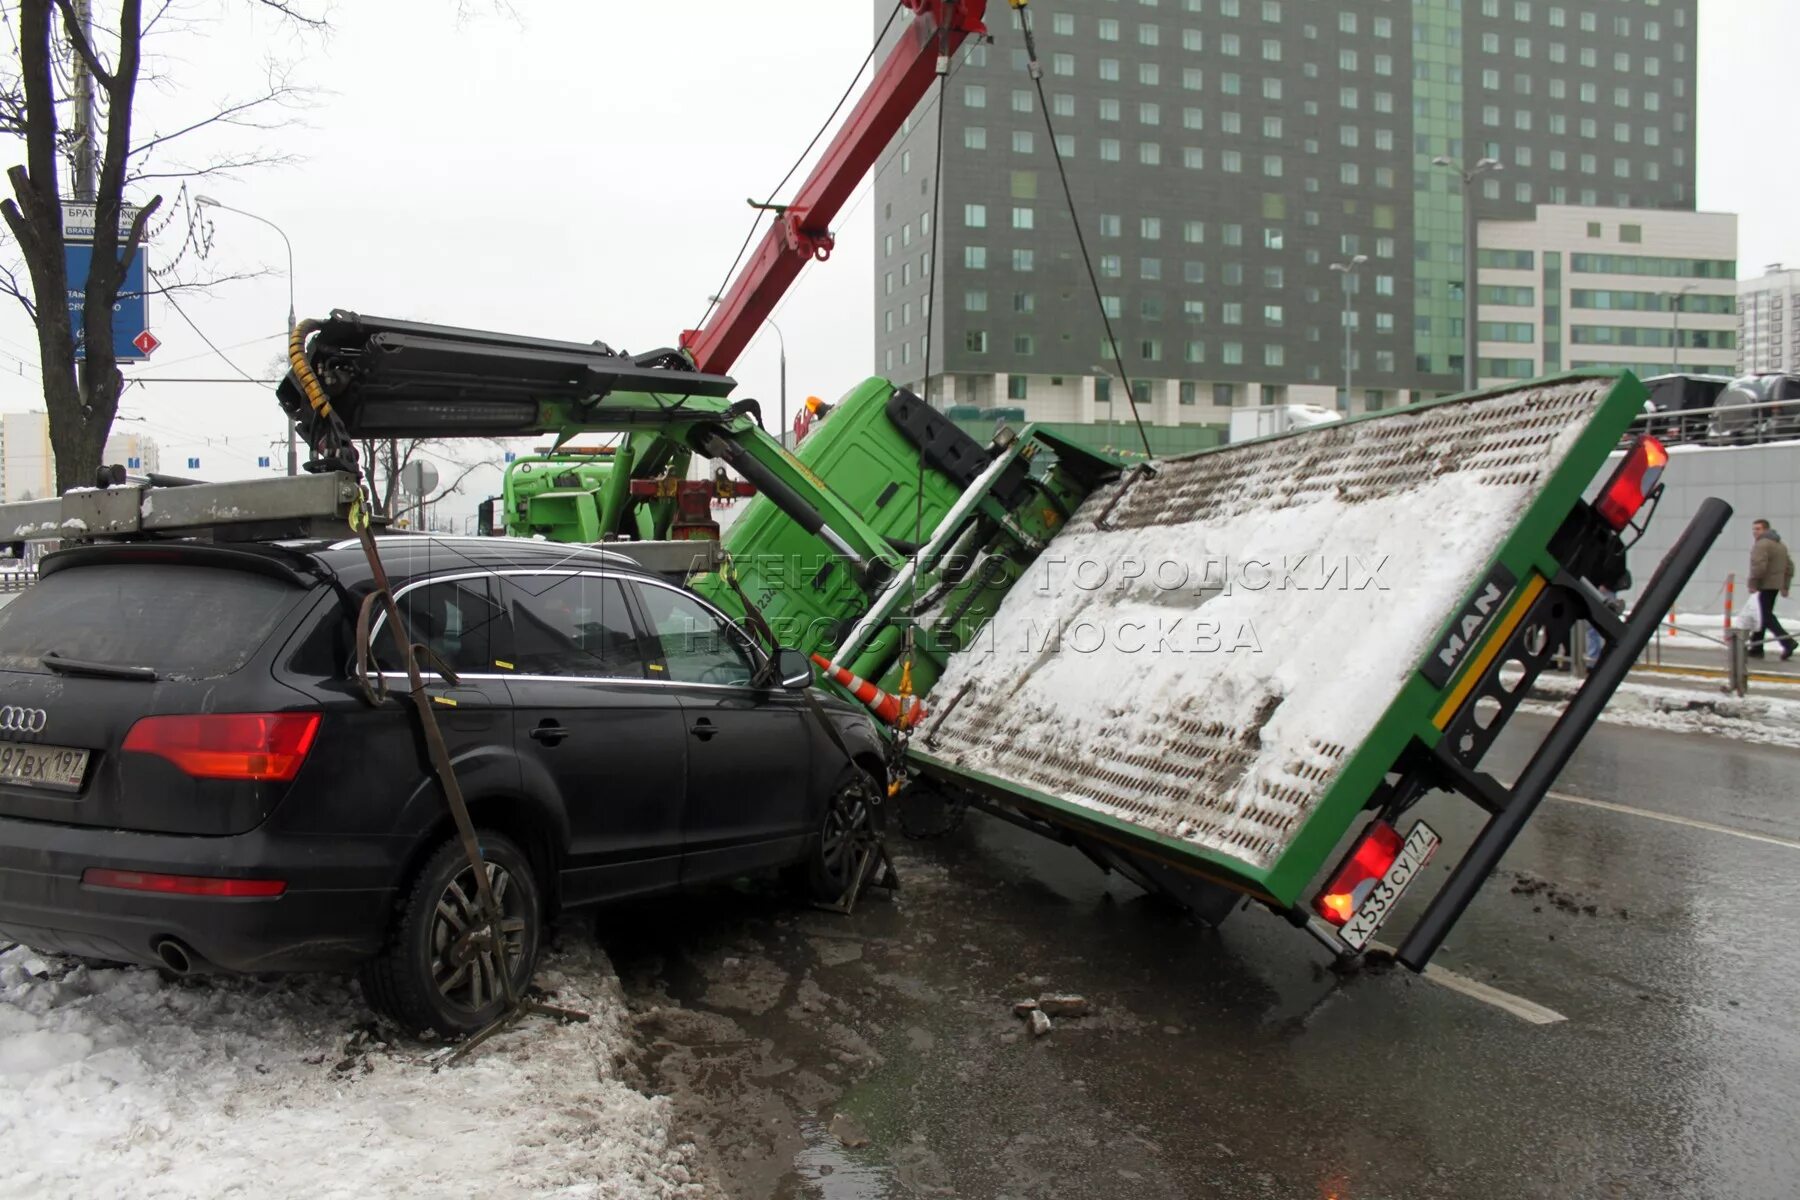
[[704, 729], [549, 733]]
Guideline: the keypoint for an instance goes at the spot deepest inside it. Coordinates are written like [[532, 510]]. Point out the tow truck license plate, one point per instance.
[[1421, 843], [54, 768]]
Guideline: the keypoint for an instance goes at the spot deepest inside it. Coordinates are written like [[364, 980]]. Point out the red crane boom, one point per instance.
[[802, 229]]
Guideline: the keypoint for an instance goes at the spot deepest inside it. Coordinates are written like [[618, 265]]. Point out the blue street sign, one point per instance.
[[193, 464], [134, 463], [510, 456], [131, 312], [262, 460]]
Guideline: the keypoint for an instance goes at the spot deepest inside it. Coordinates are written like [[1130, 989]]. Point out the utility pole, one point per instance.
[[1675, 299], [1347, 269], [1471, 261], [86, 151]]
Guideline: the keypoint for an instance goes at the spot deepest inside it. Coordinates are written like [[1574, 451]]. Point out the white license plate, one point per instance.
[[1421, 843], [54, 768]]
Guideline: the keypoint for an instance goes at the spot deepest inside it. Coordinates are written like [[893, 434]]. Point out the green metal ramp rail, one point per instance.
[[1365, 605]]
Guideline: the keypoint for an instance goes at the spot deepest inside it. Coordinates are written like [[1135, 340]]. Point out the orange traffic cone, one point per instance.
[[889, 710]]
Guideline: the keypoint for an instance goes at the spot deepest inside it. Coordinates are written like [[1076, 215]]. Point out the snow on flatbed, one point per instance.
[[118, 1082], [1201, 650]]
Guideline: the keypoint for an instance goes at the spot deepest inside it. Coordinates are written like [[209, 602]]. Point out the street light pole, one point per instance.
[[1347, 269], [1471, 260], [1675, 299], [293, 440]]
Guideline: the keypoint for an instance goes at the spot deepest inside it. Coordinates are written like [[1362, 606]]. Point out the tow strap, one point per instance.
[[490, 938]]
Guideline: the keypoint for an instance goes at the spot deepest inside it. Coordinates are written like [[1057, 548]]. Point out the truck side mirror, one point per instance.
[[793, 669]]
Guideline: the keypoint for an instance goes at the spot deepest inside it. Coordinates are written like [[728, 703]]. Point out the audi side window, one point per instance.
[[454, 619], [697, 647], [572, 625]]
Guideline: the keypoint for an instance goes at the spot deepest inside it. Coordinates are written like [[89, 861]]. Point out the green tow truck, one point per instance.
[[899, 549]]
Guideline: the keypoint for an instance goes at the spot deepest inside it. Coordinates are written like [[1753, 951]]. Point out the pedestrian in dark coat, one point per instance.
[[1771, 574]]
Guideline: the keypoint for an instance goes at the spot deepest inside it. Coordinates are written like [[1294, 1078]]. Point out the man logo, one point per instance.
[[15, 718], [1466, 630]]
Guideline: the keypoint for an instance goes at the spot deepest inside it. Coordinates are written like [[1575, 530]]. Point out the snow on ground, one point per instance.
[[119, 1082], [1770, 720]]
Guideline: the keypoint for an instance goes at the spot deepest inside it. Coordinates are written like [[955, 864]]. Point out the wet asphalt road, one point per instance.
[[1231, 1063]]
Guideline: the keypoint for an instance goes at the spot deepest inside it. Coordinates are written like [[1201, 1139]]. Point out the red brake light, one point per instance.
[[264, 747], [1632, 483], [182, 885], [1367, 861]]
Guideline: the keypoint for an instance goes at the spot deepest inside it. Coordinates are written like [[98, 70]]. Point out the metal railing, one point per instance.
[[1724, 425], [16, 581]]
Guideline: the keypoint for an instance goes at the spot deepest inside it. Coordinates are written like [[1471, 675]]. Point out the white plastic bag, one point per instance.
[[1747, 619]]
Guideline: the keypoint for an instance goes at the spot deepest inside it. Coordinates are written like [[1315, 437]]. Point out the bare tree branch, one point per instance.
[[78, 41], [237, 114], [10, 285], [227, 168], [292, 13]]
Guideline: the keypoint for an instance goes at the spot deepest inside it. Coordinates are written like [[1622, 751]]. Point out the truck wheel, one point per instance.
[[432, 975], [855, 814]]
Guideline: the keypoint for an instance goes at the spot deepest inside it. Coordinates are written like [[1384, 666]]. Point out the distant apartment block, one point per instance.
[[1769, 321], [1653, 292], [1225, 153]]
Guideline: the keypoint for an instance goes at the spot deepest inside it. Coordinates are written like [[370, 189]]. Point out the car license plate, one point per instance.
[[1421, 843], [54, 768]]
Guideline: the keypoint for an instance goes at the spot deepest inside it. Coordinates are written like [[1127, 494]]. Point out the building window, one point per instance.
[[1021, 141], [975, 301], [1022, 346], [1224, 395], [975, 341], [975, 216], [1149, 154], [1109, 70], [1109, 109], [975, 257], [1024, 302], [1021, 260], [1631, 233], [1021, 217], [974, 95], [974, 137], [1110, 225], [1109, 149], [1016, 386]]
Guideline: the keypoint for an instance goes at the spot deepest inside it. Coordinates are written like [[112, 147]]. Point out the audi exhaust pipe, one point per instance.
[[173, 955]]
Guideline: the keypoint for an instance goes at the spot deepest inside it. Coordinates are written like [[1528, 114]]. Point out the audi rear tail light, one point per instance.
[[260, 747], [1366, 863], [182, 885]]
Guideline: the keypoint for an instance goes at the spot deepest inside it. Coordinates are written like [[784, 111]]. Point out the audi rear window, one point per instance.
[[181, 621]]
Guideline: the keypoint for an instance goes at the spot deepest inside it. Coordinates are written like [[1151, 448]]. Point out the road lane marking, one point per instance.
[[1690, 822], [1518, 1006]]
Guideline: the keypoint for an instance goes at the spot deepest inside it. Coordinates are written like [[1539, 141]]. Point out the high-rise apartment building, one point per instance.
[[1769, 321], [1224, 154]]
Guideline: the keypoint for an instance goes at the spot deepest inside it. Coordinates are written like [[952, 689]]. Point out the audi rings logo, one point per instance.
[[16, 718]]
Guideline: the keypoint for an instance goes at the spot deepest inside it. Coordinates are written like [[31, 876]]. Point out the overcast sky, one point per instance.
[[581, 172]]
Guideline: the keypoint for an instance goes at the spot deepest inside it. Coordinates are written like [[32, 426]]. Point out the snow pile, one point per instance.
[[115, 1082], [1200, 651], [1769, 720]]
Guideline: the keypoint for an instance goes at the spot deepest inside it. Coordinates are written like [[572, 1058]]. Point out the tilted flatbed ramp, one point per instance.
[[1219, 665]]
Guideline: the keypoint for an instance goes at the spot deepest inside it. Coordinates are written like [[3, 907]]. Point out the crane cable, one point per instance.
[[1037, 77]]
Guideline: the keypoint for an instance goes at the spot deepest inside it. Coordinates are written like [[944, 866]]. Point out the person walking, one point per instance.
[[1771, 572]]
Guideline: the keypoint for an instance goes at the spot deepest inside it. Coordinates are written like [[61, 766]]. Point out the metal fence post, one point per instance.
[[1578, 640], [1737, 662]]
